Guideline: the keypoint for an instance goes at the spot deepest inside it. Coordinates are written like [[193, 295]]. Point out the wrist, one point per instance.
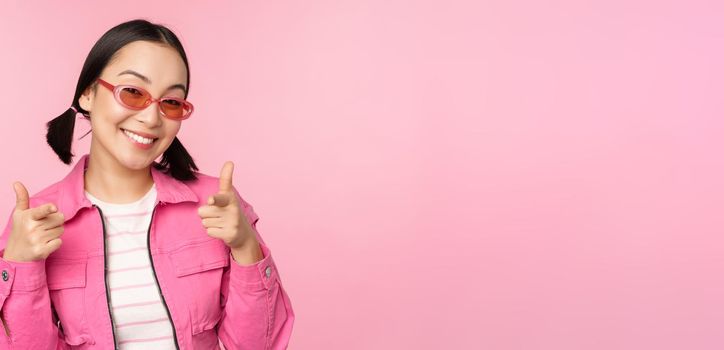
[[247, 253]]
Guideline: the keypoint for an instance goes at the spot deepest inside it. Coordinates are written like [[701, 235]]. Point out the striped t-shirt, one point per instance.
[[139, 316]]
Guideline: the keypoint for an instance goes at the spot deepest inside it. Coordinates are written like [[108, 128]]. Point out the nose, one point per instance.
[[151, 115]]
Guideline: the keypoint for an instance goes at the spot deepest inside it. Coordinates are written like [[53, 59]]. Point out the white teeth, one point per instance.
[[139, 139]]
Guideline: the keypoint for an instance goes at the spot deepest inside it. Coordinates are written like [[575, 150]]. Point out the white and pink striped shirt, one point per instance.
[[140, 318]]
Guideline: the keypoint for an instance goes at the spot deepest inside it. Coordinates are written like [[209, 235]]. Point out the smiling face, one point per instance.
[[158, 69]]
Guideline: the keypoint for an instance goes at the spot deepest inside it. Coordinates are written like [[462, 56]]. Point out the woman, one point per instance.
[[123, 252]]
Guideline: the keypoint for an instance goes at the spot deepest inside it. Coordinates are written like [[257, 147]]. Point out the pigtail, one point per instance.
[[178, 162], [60, 135]]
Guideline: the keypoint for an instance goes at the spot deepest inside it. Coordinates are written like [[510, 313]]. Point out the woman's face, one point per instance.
[[110, 121]]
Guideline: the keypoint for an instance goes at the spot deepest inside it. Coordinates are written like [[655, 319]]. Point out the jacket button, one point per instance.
[[5, 275], [267, 271]]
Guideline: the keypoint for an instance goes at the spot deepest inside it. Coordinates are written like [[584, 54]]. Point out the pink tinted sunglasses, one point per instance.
[[136, 98]]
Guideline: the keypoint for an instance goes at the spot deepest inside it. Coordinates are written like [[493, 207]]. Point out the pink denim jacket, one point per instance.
[[62, 302]]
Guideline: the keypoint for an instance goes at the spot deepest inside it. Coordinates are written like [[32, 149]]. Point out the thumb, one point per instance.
[[227, 173], [21, 196]]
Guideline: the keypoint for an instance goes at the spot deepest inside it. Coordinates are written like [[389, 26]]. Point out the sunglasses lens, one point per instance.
[[175, 109], [133, 97]]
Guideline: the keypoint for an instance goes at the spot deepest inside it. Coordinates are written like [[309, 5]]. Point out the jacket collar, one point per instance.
[[72, 189]]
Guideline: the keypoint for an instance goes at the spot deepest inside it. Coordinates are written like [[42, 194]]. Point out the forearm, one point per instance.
[[25, 306], [257, 312]]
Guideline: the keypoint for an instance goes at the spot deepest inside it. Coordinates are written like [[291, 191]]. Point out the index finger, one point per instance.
[[42, 211]]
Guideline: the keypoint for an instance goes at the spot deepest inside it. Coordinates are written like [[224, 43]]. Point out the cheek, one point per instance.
[[109, 112], [171, 129], [110, 108], [106, 120], [169, 133]]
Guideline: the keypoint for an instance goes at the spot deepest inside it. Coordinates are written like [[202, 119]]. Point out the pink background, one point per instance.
[[439, 174]]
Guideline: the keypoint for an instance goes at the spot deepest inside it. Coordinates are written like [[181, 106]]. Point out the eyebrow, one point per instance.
[[148, 81]]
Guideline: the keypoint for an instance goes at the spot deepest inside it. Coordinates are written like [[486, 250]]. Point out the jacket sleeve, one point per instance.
[[25, 304], [257, 312]]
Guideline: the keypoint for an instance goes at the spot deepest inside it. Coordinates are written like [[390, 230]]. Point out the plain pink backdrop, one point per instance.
[[439, 174]]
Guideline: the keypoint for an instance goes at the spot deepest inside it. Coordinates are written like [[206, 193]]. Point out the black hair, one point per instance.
[[176, 160]]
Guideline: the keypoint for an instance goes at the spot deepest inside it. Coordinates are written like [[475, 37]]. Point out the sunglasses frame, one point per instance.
[[116, 89]]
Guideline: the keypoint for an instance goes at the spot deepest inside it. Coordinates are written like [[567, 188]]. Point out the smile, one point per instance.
[[138, 138]]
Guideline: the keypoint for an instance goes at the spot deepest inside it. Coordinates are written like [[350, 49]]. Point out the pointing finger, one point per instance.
[[42, 211], [209, 211], [220, 199]]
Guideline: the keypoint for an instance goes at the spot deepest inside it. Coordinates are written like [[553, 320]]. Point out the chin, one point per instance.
[[136, 161]]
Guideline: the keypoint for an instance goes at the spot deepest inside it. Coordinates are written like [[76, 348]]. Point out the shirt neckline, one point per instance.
[[135, 203]]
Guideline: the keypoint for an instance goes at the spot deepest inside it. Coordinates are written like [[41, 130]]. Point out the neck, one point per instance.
[[112, 182]]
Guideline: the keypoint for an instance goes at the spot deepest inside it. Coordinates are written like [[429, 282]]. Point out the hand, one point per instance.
[[223, 216], [36, 231]]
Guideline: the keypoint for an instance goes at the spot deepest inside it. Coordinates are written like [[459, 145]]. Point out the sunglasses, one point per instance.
[[136, 98]]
